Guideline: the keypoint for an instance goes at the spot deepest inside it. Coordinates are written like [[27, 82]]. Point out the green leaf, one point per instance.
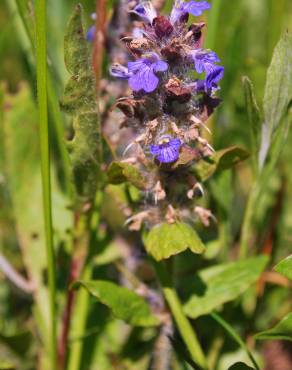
[[282, 331], [285, 267], [166, 240], [120, 172], [253, 112], [240, 366], [278, 93], [5, 365], [217, 285], [80, 101], [219, 161], [124, 303]]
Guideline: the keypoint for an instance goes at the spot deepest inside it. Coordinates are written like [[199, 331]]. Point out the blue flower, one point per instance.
[[90, 34], [167, 150], [181, 9], [117, 70], [213, 76], [205, 62], [143, 75], [203, 59], [146, 11]]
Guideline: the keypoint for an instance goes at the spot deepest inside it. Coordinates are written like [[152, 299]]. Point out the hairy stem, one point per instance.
[[183, 324]]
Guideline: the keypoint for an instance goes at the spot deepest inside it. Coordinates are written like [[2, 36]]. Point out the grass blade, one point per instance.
[[41, 56], [235, 336]]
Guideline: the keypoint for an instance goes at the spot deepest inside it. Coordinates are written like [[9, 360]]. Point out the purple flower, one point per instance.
[[167, 149], [117, 70], [181, 9], [90, 34], [146, 11], [214, 75], [143, 75], [204, 58], [210, 84], [205, 62]]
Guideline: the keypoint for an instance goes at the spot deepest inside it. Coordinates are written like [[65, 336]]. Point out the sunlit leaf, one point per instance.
[[278, 93], [166, 240], [217, 285], [124, 303], [281, 331], [221, 160], [285, 267]]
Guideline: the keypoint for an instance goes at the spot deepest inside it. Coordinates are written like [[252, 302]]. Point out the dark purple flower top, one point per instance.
[[167, 149]]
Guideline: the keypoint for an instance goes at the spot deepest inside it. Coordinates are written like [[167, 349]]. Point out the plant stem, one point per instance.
[[79, 324], [213, 19], [185, 328], [247, 221], [41, 57], [235, 336]]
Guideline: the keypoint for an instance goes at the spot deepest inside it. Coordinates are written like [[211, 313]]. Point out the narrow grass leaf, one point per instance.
[[253, 114], [41, 57]]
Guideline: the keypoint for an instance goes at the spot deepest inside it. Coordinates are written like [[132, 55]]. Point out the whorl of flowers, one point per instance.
[[174, 82]]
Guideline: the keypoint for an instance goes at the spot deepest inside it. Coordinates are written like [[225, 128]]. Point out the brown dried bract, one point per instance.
[[175, 91]]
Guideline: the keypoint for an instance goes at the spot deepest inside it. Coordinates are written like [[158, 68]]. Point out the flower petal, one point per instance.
[[160, 66]]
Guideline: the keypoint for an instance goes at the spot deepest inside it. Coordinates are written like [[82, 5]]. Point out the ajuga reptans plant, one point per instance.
[[174, 82]]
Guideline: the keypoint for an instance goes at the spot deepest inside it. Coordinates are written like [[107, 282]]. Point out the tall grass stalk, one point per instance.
[[41, 57]]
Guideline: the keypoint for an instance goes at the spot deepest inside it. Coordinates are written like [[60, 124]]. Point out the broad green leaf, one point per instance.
[[278, 93], [120, 172], [283, 330], [80, 101], [124, 303], [5, 365], [221, 160], [285, 267], [166, 240], [240, 366], [253, 112], [217, 285]]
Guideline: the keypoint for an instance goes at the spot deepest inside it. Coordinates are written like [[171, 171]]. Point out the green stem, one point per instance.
[[184, 326], [235, 336], [41, 57], [247, 221], [79, 323]]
